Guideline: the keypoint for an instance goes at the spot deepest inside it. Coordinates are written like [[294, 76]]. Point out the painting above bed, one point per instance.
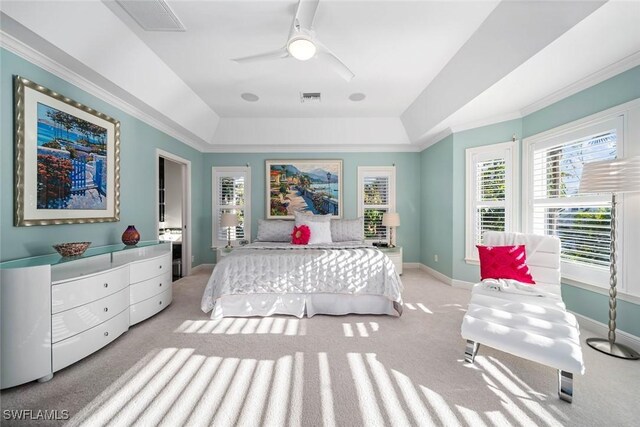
[[312, 186]]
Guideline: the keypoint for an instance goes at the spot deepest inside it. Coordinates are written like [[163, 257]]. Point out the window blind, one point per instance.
[[376, 197], [581, 221], [229, 198], [490, 197]]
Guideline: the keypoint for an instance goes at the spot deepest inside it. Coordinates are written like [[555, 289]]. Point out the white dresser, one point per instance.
[[55, 312]]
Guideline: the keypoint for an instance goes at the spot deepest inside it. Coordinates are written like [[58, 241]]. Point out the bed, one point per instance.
[[266, 278]]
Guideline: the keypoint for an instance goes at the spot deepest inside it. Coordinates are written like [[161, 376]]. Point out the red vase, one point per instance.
[[130, 236]]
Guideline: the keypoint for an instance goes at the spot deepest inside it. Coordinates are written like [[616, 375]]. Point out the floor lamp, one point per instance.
[[615, 177]]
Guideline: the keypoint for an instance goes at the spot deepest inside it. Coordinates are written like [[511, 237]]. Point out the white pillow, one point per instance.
[[320, 232]]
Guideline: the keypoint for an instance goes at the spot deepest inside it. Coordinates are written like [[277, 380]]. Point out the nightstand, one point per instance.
[[222, 252], [395, 255]]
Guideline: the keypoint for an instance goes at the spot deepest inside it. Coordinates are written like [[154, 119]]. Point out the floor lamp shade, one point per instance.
[[612, 176], [228, 221]]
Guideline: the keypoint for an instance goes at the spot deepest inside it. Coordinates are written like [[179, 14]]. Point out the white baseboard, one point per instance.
[[410, 265], [199, 266], [600, 330], [446, 279]]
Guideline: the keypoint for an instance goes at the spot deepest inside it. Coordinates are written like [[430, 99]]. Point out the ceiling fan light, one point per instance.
[[301, 48]]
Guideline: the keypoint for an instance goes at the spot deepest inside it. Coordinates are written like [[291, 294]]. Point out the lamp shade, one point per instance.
[[611, 176], [391, 219], [229, 220]]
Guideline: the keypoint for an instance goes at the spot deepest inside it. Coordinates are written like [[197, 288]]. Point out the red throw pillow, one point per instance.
[[300, 235], [504, 262]]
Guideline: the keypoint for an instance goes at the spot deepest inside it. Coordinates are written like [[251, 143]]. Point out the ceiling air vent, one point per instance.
[[309, 97], [152, 15]]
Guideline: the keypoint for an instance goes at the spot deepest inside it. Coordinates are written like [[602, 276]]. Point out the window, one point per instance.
[[491, 193], [376, 195], [231, 194], [555, 205]]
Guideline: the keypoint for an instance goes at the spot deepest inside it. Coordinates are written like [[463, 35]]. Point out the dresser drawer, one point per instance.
[[144, 270], [144, 290], [74, 293], [69, 351], [149, 307], [71, 322]]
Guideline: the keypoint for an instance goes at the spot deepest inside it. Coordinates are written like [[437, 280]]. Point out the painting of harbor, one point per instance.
[[312, 186], [72, 161]]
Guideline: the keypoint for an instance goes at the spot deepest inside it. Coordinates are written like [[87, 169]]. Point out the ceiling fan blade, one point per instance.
[[306, 13], [335, 62], [267, 56]]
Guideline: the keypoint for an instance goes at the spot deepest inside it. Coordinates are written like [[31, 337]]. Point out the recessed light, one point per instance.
[[250, 97], [357, 96]]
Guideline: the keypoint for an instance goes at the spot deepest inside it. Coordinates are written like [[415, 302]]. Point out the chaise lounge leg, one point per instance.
[[470, 351], [565, 386]]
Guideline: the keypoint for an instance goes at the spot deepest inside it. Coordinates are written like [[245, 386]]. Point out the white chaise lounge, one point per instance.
[[531, 326]]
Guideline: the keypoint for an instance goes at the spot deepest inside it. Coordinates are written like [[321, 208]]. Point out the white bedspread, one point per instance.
[[349, 268]]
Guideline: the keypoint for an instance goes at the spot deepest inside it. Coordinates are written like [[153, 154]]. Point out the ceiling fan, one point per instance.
[[302, 43]]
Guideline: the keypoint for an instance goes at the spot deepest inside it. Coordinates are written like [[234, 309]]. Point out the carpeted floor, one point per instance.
[[180, 368]]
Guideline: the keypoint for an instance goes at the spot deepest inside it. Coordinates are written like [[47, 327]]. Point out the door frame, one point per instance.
[[186, 204]]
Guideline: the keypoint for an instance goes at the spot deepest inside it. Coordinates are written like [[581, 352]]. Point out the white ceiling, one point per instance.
[[425, 66]]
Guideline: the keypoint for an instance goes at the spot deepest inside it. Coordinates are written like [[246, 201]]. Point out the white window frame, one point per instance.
[[510, 152], [224, 171], [574, 272], [365, 171]]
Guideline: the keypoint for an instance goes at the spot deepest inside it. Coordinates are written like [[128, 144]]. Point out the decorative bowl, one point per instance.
[[72, 248]]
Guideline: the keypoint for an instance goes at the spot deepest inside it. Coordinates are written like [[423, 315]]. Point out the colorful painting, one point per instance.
[[312, 186], [67, 159]]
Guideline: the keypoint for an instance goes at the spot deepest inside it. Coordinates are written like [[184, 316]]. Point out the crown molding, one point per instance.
[[435, 138], [487, 122], [327, 148], [28, 53], [593, 79]]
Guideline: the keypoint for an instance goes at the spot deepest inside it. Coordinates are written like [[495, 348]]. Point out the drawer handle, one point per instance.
[[160, 303], [106, 309], [159, 266], [106, 285], [106, 334], [159, 284]]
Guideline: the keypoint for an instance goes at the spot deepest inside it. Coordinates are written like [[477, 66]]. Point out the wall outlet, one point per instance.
[[193, 258], [435, 257]]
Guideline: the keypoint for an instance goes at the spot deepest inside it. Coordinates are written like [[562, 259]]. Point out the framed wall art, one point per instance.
[[313, 186], [67, 159]]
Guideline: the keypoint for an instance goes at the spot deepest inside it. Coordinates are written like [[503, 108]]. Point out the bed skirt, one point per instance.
[[299, 305]]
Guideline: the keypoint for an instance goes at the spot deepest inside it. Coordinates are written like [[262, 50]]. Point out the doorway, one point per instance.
[[173, 213]]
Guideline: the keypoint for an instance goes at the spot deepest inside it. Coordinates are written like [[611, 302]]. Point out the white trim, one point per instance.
[[620, 295], [187, 249], [37, 58], [593, 79], [412, 265], [236, 170], [462, 284], [511, 153], [330, 147], [601, 330], [487, 122], [435, 139]]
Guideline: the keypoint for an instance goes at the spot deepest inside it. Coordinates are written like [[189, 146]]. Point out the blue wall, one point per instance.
[[137, 177], [407, 184], [437, 206]]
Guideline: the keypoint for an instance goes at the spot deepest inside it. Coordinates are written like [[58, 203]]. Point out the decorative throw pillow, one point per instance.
[[320, 232], [272, 230], [300, 235], [347, 230], [504, 262]]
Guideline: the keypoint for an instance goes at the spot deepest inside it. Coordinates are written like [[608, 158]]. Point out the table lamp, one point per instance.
[[229, 220], [391, 220]]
